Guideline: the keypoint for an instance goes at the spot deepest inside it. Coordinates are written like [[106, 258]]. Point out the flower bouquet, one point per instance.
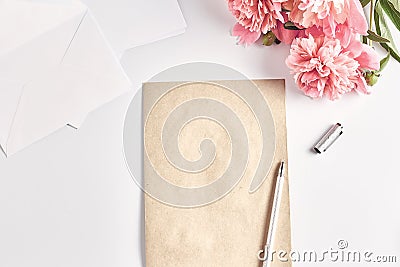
[[331, 51]]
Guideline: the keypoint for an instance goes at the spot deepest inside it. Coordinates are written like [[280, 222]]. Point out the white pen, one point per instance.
[[269, 244]]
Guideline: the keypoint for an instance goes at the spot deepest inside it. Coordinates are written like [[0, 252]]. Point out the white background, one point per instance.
[[69, 200]]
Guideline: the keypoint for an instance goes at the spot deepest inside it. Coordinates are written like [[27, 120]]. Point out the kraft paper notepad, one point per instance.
[[211, 156]]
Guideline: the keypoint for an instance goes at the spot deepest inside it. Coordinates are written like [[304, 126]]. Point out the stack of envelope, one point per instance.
[[57, 64]]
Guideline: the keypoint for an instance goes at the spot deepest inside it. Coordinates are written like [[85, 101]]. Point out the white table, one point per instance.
[[69, 200]]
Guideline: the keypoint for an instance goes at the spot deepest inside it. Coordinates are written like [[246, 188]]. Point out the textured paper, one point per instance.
[[230, 231]]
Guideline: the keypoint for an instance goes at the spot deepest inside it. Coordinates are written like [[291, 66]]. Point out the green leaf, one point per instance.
[[392, 12], [376, 38], [396, 4], [392, 52], [382, 29], [364, 39], [384, 62], [364, 2], [290, 26]]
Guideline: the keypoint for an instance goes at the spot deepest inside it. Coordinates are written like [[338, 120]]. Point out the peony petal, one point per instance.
[[355, 47], [314, 31], [344, 34], [329, 25], [245, 36], [357, 20], [362, 86], [284, 35], [310, 76], [368, 58]]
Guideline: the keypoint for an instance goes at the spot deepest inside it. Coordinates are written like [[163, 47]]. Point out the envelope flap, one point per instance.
[[24, 20], [10, 93], [28, 61], [89, 51], [91, 58]]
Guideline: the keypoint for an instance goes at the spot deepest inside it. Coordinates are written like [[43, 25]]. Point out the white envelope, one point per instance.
[[55, 67], [130, 23]]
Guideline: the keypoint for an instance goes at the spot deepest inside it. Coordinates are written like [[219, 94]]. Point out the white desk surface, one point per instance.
[[69, 200]]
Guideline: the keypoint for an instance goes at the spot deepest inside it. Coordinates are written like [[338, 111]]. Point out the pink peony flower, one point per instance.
[[256, 16], [329, 14], [322, 66]]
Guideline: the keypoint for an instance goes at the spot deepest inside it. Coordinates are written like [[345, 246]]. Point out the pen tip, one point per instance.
[[282, 168], [255, 183]]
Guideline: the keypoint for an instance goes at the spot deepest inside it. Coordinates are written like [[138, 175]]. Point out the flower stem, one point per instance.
[[371, 14]]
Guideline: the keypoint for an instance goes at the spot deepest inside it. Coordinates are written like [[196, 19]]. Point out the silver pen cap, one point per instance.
[[329, 138]]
